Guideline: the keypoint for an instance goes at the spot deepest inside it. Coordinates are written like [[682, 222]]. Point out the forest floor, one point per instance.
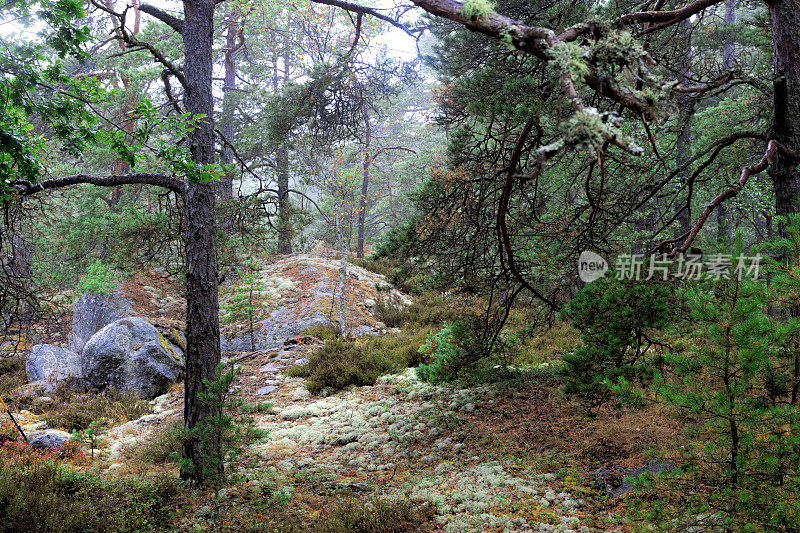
[[509, 455]]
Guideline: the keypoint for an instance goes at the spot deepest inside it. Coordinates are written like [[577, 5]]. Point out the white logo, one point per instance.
[[591, 266]]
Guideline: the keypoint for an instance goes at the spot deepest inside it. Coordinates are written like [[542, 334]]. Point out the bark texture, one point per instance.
[[362, 203], [202, 313], [683, 145], [785, 124]]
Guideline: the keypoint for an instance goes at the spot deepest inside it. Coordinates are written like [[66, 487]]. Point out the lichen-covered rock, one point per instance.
[[130, 354], [50, 366], [46, 440], [93, 312]]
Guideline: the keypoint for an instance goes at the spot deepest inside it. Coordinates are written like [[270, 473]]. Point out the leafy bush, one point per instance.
[[340, 363], [49, 498], [99, 279], [445, 351], [617, 320], [75, 412]]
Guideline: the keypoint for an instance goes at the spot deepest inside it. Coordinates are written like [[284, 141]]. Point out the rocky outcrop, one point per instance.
[[615, 482], [50, 365], [93, 312], [272, 332], [130, 354], [48, 439]]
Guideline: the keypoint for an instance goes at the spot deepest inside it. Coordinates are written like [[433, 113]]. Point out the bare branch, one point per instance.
[[670, 17], [26, 188], [732, 191], [355, 8], [173, 22]]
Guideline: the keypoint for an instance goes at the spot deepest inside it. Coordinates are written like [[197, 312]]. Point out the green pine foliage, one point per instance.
[[445, 351], [619, 322], [242, 306], [225, 434], [99, 279], [742, 464]]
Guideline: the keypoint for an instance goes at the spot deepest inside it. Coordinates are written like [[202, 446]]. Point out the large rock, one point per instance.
[[618, 481], [271, 332], [93, 312], [130, 354], [50, 366], [49, 439]]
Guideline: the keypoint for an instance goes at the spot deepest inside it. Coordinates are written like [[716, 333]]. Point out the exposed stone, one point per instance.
[[51, 365], [93, 312], [130, 354], [613, 481], [45, 440]]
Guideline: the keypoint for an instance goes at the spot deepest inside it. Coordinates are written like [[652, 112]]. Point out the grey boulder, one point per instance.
[[92, 312], [130, 354], [45, 440], [51, 365]]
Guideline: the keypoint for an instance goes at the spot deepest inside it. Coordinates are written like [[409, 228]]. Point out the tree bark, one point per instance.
[[362, 204], [282, 164], [202, 306], [284, 217], [683, 145], [342, 278], [785, 124], [724, 226], [226, 123]]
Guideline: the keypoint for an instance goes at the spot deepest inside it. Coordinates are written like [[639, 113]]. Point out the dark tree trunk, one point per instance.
[[282, 164], [362, 203], [226, 123], [683, 145], [284, 216], [202, 309], [785, 124], [724, 226]]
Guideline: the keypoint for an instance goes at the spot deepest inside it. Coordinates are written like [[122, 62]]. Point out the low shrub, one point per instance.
[[12, 374], [426, 310], [323, 332], [340, 363], [50, 498], [74, 411], [162, 445], [382, 266], [376, 516]]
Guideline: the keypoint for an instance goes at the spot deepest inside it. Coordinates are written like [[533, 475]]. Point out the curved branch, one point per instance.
[[355, 8], [173, 22], [671, 17], [732, 191], [26, 188]]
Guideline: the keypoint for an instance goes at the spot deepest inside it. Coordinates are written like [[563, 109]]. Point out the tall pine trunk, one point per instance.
[[785, 124], [683, 145], [227, 127], [282, 166], [362, 203], [202, 307], [724, 227]]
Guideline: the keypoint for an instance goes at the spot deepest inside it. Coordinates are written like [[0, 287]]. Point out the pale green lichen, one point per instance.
[[571, 58], [589, 130], [476, 8]]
